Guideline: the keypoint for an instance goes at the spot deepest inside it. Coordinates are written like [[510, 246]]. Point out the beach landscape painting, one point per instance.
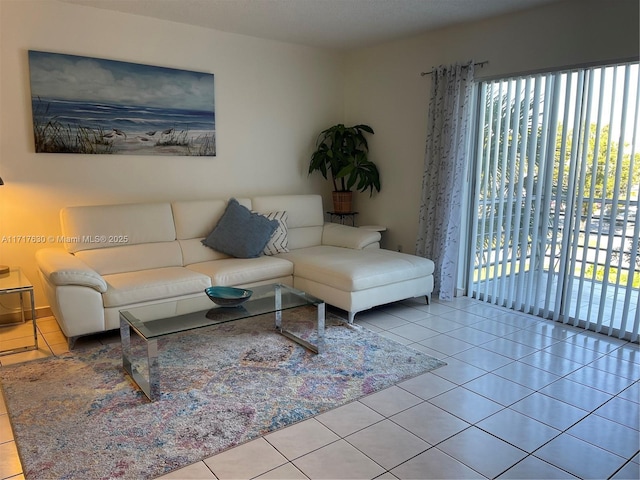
[[98, 106]]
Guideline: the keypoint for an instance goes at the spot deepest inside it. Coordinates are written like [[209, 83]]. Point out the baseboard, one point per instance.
[[15, 317]]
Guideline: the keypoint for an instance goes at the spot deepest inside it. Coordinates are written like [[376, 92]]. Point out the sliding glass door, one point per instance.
[[554, 197]]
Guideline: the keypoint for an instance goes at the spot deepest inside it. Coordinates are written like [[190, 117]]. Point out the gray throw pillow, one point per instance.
[[240, 233]]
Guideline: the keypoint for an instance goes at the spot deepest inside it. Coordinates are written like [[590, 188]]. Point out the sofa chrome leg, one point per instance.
[[71, 342], [352, 315]]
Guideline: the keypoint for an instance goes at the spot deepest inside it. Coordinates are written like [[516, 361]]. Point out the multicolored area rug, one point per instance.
[[79, 416]]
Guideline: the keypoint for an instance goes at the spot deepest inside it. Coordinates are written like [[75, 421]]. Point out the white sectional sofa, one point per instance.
[[119, 256]]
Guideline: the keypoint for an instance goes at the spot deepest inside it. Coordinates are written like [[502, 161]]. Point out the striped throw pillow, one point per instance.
[[279, 241]]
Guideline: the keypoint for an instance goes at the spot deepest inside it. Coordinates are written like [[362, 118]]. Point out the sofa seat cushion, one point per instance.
[[242, 271], [353, 270], [154, 284]]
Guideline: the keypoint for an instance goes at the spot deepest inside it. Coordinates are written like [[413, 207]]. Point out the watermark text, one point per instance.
[[42, 239]]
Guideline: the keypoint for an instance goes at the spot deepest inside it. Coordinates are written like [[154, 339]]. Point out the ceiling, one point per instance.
[[335, 24]]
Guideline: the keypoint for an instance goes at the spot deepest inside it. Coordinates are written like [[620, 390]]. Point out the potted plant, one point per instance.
[[342, 152]]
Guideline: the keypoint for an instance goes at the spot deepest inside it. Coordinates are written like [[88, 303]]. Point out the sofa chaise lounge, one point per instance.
[[120, 256]]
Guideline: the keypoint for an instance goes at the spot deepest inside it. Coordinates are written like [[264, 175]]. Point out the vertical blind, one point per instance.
[[554, 197]]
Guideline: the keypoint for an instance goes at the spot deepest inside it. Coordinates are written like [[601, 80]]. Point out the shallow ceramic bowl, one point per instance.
[[228, 296]]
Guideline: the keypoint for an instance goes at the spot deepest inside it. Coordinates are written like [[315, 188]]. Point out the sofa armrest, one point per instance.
[[62, 268], [349, 237]]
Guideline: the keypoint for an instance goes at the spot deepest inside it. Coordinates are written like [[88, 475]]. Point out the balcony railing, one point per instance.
[[571, 263]]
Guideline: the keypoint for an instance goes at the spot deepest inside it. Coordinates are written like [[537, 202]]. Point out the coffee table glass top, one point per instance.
[[167, 318]]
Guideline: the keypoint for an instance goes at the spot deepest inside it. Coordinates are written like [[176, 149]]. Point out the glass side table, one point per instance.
[[16, 282], [343, 218]]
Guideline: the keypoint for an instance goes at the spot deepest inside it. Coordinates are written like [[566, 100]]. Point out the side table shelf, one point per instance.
[[16, 282], [374, 228]]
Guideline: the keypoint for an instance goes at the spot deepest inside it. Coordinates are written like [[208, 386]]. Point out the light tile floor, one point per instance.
[[520, 397]]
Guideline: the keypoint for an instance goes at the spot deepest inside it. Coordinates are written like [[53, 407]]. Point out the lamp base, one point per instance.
[[4, 269]]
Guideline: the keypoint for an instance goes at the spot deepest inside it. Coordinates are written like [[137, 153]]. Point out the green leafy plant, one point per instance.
[[342, 153]]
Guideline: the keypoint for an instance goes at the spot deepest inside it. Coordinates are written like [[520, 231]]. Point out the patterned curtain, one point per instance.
[[440, 208]]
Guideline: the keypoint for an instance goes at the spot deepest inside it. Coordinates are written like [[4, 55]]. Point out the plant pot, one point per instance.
[[343, 202]]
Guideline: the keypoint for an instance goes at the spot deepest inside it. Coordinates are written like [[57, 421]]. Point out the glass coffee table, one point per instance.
[[163, 319]]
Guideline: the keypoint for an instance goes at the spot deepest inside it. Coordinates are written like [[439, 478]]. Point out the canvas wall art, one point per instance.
[[97, 106]]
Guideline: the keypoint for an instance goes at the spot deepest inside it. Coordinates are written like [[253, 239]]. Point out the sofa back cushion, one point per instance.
[[106, 226], [305, 217], [122, 238], [194, 220], [129, 237]]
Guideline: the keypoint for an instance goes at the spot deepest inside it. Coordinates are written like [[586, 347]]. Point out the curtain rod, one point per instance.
[[477, 64]]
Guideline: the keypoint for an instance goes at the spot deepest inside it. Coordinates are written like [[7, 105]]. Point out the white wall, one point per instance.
[[385, 90], [272, 99]]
